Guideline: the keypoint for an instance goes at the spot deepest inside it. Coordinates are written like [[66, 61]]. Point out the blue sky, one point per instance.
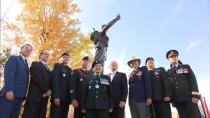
[[147, 28], [150, 28]]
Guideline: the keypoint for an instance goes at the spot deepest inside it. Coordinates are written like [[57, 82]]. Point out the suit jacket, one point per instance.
[[39, 82], [16, 75], [140, 85], [119, 88]]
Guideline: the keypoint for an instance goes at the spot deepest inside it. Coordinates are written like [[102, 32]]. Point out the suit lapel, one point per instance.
[[115, 76], [23, 63], [44, 67]]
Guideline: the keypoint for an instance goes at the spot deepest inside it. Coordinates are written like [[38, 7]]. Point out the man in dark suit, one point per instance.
[[140, 90], [119, 89], [39, 88], [77, 81], [16, 75], [61, 88]]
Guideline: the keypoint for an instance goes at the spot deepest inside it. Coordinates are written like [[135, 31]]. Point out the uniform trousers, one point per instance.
[[162, 109], [139, 109], [188, 110], [97, 113]]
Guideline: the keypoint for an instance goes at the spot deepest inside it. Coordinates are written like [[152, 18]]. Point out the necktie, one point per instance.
[[174, 70], [26, 62], [46, 67], [97, 76], [112, 75]]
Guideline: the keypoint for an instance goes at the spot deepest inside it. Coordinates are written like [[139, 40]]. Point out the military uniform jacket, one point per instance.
[[77, 79], [97, 93], [61, 82], [140, 85], [160, 84], [183, 83]]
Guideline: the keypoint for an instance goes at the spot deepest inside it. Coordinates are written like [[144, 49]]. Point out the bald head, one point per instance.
[[114, 66]]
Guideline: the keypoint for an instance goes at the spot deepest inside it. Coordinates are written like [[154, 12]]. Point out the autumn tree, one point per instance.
[[50, 24], [3, 57]]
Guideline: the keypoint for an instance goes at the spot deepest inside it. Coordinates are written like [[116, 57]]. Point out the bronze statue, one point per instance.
[[101, 40]]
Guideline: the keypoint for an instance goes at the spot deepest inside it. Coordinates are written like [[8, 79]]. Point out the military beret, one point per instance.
[[85, 58], [148, 58], [96, 62], [172, 52], [65, 54]]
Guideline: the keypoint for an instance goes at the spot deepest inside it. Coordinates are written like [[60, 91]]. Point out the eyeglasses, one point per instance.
[[46, 54]]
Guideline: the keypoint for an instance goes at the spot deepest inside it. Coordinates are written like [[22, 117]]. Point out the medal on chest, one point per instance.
[[104, 81], [97, 84], [64, 72], [139, 74], [182, 71], [89, 87], [185, 70], [157, 73]]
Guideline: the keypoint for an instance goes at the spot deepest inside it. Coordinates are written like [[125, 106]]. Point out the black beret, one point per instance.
[[96, 62], [149, 58], [85, 58], [172, 52], [65, 54]]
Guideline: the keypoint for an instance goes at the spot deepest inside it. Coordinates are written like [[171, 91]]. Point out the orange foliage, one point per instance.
[[49, 24]]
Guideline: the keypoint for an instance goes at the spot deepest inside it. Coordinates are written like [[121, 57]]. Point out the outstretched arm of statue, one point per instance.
[[106, 27]]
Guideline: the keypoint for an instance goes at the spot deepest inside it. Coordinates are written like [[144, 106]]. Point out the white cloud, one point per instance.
[[172, 15], [178, 6], [121, 60], [192, 45]]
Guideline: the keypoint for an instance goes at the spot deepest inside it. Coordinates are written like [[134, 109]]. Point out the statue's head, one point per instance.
[[103, 26]]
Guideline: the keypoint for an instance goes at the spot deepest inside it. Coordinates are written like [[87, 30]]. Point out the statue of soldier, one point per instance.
[[101, 40]]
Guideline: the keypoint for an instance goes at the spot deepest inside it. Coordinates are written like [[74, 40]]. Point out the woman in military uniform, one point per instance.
[[185, 94], [140, 91]]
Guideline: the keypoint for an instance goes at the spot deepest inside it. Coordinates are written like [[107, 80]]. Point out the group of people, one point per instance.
[[94, 94]]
